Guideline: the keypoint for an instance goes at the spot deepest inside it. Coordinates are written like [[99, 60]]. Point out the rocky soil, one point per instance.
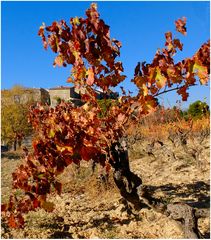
[[91, 207]]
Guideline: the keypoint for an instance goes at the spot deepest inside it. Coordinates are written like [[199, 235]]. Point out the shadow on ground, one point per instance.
[[195, 194], [11, 155]]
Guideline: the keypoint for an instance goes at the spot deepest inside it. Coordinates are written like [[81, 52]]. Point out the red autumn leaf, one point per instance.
[[36, 203], [183, 92], [149, 104], [53, 28], [53, 43], [3, 207], [85, 155], [20, 220], [68, 159], [22, 174], [87, 152], [41, 31]]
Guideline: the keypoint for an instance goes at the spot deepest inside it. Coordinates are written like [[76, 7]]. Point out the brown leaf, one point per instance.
[[180, 25], [58, 187], [48, 206], [178, 44], [3, 207]]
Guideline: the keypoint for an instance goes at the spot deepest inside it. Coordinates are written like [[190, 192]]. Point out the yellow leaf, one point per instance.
[[201, 71], [160, 79], [76, 21], [51, 133], [145, 90], [94, 5], [62, 149], [86, 106]]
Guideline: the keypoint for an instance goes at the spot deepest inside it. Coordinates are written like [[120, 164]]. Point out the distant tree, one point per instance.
[[14, 112], [58, 100], [198, 109]]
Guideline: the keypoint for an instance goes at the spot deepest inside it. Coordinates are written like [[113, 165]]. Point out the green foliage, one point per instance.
[[105, 105], [58, 100], [198, 109]]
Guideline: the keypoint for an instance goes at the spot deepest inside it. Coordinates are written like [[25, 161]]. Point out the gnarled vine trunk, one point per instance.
[[132, 190]]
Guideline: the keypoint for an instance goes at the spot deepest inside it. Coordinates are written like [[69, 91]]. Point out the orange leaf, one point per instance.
[[12, 223], [70, 80], [59, 61], [90, 79], [121, 117], [107, 167]]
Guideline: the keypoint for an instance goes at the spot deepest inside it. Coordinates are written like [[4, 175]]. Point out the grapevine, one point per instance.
[[69, 134]]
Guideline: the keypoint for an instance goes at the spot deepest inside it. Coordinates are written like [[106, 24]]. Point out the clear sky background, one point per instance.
[[140, 26]]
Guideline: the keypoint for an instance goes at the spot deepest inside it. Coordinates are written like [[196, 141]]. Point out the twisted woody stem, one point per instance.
[[132, 190]]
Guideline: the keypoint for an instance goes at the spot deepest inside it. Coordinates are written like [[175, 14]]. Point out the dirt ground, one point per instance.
[[92, 208]]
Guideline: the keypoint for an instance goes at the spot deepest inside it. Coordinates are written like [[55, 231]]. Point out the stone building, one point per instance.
[[51, 96], [63, 93], [68, 94], [37, 95], [25, 95]]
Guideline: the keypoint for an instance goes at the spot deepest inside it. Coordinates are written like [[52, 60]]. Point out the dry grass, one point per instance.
[[158, 130]]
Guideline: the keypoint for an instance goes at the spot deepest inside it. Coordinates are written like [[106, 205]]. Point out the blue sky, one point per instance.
[[140, 26]]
